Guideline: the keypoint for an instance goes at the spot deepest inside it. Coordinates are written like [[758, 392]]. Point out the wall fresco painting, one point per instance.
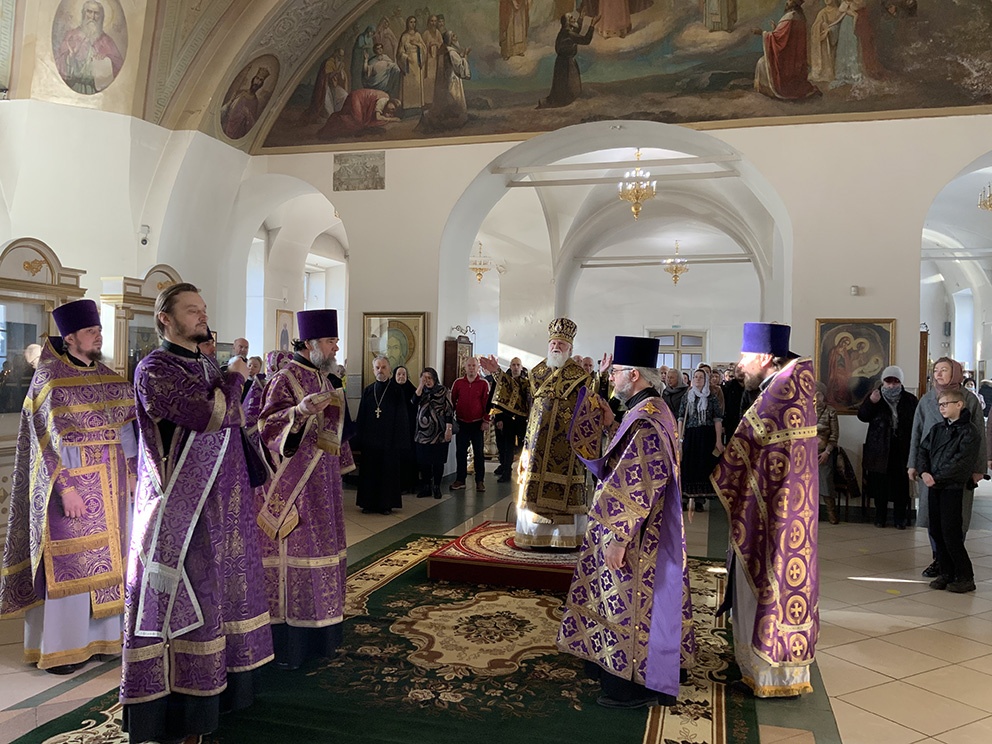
[[498, 67], [89, 41], [248, 96], [359, 171]]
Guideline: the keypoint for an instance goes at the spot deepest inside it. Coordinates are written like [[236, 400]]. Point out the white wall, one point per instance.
[[934, 307], [855, 197], [713, 298]]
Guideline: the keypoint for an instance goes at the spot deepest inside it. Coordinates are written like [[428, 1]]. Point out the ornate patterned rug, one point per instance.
[[447, 662], [488, 555]]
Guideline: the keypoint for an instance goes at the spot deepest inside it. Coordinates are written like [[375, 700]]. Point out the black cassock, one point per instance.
[[384, 439], [566, 83]]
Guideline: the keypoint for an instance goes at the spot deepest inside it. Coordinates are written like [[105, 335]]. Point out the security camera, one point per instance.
[[143, 232]]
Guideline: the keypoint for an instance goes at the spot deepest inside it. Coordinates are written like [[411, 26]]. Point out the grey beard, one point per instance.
[[326, 366], [557, 359], [92, 30], [623, 394]]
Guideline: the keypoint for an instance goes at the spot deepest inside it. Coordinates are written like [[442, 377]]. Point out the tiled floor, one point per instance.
[[897, 663]]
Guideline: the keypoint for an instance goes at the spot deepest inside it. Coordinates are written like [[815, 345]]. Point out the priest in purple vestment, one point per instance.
[[768, 480], [76, 446], [196, 623], [302, 519], [628, 612]]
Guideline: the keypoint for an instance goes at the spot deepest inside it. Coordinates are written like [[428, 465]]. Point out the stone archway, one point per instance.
[[709, 184]]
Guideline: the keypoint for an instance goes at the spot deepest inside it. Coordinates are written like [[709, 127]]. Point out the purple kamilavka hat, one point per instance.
[[74, 316], [317, 324]]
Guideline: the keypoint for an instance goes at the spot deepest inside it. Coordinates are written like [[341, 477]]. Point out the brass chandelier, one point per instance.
[[479, 263], [985, 199], [635, 187], [676, 266]]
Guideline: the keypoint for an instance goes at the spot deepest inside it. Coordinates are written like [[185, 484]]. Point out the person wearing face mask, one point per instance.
[[969, 385], [947, 375], [889, 413]]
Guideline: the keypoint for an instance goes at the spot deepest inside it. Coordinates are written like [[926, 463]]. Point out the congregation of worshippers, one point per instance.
[[192, 522]]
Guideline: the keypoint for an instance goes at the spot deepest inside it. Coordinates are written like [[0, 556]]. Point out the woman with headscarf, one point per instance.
[[947, 375], [827, 437], [408, 466], [889, 413], [432, 432], [701, 433]]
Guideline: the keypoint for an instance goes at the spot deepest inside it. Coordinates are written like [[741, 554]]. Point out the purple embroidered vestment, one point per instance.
[[196, 606], [628, 621], [75, 426], [302, 517], [768, 481]]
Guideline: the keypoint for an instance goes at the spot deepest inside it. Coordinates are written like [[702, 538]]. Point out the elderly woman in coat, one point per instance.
[[889, 413]]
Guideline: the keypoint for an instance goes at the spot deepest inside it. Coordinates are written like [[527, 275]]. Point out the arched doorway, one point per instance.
[[955, 288], [547, 211]]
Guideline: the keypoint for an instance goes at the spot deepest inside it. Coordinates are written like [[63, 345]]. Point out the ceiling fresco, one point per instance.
[[509, 67]]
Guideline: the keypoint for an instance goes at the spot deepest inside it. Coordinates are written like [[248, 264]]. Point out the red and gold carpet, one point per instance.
[[488, 555]]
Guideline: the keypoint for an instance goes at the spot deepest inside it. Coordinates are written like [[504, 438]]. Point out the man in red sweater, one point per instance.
[[470, 395]]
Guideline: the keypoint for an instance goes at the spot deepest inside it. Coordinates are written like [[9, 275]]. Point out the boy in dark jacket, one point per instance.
[[944, 461]]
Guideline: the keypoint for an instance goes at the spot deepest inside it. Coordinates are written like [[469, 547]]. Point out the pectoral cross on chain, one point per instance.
[[378, 411]]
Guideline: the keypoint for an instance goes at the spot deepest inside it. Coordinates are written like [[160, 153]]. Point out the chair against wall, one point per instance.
[[846, 484]]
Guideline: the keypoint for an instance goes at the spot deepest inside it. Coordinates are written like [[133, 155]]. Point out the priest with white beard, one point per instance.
[[551, 482]]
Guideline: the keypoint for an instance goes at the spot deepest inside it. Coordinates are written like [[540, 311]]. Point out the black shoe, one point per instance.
[[63, 669], [700, 507], [503, 479], [932, 571], [386, 512], [499, 471], [941, 582], [642, 702], [368, 511], [437, 492], [900, 526], [424, 492], [880, 524], [961, 586]]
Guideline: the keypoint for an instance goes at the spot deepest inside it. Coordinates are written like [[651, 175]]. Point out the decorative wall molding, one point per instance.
[[292, 33], [7, 9], [182, 30]]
